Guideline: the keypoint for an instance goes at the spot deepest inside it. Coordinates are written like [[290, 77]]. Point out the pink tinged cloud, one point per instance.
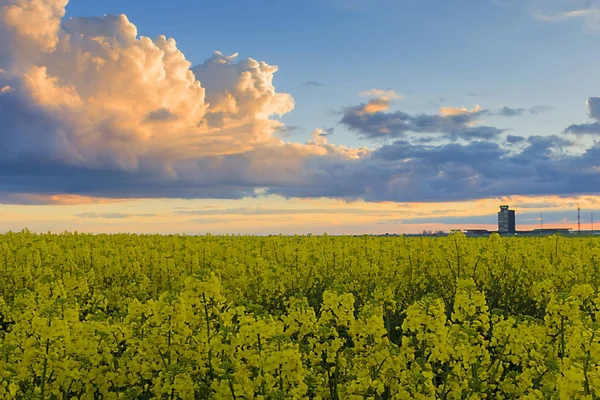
[[450, 111], [381, 94]]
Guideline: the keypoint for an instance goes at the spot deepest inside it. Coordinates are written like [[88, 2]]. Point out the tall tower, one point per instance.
[[579, 220], [506, 220]]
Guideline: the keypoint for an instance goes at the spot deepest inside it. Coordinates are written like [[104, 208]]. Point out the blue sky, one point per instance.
[[394, 110]]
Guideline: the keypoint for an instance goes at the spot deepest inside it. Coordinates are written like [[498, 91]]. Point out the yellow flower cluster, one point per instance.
[[182, 317]]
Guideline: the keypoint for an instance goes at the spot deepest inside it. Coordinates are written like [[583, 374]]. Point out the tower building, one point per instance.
[[506, 220]]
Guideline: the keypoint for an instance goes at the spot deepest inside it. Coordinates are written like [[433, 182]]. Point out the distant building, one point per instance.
[[506, 220]]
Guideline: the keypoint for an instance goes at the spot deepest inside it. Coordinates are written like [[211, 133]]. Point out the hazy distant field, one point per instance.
[[217, 317]]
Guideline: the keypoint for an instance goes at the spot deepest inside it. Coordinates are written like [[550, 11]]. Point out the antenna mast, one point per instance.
[[542, 220], [579, 220], [592, 215]]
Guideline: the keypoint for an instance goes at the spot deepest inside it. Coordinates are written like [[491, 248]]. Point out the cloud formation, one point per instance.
[[373, 120], [513, 139], [104, 98], [517, 112], [593, 104], [89, 109], [404, 171], [587, 11], [381, 94], [452, 111]]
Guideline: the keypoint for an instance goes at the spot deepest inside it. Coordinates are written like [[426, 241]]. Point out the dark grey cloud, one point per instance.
[[592, 128], [313, 84], [50, 178], [511, 112], [111, 215], [593, 104], [453, 152], [512, 139], [517, 112], [404, 171], [160, 115], [540, 148], [475, 133], [371, 120]]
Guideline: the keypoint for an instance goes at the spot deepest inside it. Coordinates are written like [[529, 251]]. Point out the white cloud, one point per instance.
[[449, 111], [319, 137], [381, 94]]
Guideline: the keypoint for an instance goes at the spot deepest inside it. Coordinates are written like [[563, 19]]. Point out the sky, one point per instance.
[[295, 117]]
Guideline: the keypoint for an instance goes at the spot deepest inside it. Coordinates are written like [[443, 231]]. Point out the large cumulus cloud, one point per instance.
[[87, 97], [90, 109]]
